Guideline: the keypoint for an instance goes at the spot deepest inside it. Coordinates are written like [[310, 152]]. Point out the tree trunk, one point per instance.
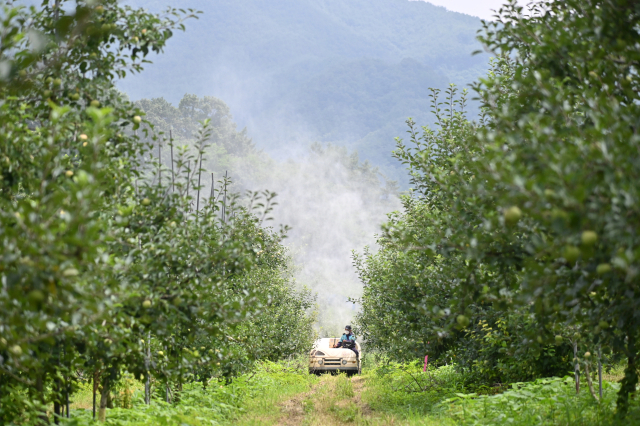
[[96, 378], [630, 380], [178, 393], [589, 382], [40, 379], [600, 371], [57, 407], [110, 400], [577, 366], [147, 383], [104, 400]]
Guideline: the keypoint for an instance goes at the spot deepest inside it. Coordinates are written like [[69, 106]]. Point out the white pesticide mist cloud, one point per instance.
[[334, 204]]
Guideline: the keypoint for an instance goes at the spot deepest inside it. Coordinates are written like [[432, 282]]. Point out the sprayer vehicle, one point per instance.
[[325, 358]]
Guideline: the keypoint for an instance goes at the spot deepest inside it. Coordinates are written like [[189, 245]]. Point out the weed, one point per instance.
[[343, 388], [308, 406]]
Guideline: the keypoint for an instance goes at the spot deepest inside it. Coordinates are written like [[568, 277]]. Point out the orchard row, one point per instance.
[[517, 255], [106, 267]]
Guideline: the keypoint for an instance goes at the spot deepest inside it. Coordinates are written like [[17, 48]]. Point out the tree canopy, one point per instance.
[[533, 209]]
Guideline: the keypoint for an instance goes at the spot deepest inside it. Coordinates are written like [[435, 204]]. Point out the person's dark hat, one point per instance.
[[347, 327]]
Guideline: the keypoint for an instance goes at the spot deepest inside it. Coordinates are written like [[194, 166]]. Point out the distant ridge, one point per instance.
[[296, 71]]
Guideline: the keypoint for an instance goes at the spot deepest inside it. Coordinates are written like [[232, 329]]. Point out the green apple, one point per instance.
[[463, 321], [603, 268], [83, 178], [36, 296], [589, 238], [571, 253], [512, 215]]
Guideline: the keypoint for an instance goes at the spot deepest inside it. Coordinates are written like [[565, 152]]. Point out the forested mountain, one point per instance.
[[297, 71]]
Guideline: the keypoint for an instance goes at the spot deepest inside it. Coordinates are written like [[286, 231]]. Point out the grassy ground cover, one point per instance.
[[285, 394], [220, 403], [439, 397]]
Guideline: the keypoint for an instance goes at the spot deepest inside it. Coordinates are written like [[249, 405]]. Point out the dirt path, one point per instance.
[[293, 410], [334, 400]]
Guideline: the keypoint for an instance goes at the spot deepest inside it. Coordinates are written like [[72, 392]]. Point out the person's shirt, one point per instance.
[[349, 336]]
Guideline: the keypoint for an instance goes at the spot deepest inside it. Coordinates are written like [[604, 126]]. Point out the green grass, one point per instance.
[[405, 393], [439, 397], [257, 393], [393, 393], [277, 383]]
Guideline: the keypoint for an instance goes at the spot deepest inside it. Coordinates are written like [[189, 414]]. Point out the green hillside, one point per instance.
[[297, 71]]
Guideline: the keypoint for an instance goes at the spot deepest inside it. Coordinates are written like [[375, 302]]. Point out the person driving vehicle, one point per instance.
[[348, 341]]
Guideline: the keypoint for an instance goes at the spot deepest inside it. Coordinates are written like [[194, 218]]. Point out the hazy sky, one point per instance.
[[481, 8]]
